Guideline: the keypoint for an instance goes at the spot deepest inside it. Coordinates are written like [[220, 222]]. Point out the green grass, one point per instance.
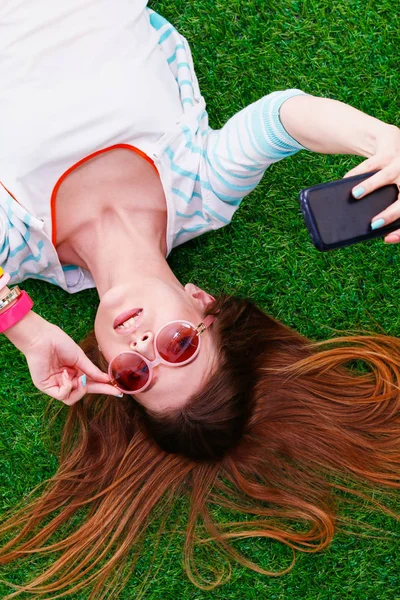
[[347, 50]]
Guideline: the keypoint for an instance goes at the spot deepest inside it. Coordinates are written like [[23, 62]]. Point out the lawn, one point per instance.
[[242, 50]]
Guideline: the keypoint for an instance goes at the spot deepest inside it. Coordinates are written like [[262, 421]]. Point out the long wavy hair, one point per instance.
[[279, 429]]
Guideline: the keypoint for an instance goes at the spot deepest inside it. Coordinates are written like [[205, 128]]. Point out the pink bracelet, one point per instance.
[[16, 312], [4, 280]]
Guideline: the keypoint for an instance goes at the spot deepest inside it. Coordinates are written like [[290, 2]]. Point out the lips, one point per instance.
[[128, 314]]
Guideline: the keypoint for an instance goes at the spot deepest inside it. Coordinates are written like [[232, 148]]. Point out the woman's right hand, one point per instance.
[[58, 366]]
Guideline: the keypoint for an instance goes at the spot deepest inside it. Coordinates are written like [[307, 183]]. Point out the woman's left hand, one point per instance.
[[387, 159]]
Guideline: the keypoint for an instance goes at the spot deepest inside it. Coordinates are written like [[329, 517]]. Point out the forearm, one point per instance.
[[331, 127], [26, 330]]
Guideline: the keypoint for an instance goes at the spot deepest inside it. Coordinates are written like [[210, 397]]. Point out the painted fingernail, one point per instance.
[[83, 380], [359, 191], [377, 224]]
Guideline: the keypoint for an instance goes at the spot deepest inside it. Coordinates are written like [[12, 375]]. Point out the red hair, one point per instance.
[[279, 428]]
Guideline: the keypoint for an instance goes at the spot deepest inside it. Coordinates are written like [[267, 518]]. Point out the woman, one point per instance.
[[104, 169]]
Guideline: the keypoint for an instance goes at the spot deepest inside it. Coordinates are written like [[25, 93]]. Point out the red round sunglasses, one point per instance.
[[176, 344]]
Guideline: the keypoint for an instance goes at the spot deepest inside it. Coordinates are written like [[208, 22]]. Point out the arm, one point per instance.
[[283, 123], [56, 363], [331, 127]]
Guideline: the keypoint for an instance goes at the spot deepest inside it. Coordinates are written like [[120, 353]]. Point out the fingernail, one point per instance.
[[359, 191], [378, 223], [83, 380], [120, 396]]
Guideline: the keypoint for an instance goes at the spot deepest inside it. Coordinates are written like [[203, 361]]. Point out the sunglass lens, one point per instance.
[[177, 342], [130, 372]]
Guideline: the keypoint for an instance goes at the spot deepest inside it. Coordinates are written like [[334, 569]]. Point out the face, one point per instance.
[[159, 303]]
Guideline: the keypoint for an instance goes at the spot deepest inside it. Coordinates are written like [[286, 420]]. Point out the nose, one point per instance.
[[143, 343]]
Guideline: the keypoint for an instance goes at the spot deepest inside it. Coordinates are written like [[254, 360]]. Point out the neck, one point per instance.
[[128, 234], [120, 243], [113, 250]]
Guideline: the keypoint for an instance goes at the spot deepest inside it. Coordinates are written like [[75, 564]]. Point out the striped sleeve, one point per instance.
[[238, 154]]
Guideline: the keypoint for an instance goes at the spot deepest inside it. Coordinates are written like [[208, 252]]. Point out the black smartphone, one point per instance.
[[335, 219]]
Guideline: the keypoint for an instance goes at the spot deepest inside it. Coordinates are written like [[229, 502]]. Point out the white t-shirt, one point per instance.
[[204, 173], [77, 77]]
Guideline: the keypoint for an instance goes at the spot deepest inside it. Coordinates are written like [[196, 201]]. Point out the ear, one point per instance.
[[200, 296]]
